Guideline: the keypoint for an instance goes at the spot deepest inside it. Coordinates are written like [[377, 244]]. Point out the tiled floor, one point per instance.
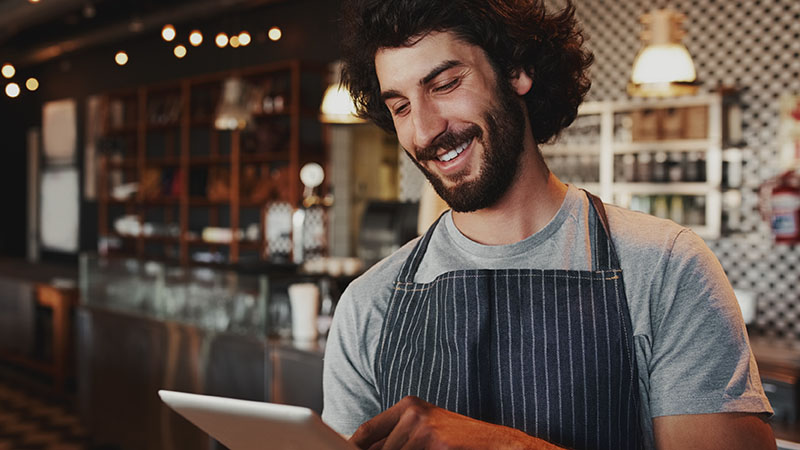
[[33, 420]]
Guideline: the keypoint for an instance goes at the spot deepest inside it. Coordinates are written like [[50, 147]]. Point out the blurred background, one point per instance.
[[171, 169]]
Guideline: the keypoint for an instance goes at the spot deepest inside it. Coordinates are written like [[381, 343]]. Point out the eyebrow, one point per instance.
[[439, 69], [449, 64]]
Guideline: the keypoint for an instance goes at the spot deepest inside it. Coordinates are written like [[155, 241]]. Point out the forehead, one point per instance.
[[398, 66]]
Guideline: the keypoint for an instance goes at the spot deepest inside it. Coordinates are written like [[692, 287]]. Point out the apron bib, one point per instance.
[[548, 352]]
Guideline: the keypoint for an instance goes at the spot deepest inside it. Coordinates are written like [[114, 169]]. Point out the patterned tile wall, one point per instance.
[[751, 44]]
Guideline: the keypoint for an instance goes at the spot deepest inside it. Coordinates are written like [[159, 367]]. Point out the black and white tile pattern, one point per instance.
[[750, 44]]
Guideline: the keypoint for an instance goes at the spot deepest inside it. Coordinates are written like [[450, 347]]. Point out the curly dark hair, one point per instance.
[[515, 34]]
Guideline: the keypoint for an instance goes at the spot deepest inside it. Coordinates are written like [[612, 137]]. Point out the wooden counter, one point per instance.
[[779, 367]]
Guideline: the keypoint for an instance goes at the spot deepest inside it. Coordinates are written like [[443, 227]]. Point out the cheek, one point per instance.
[[405, 135]]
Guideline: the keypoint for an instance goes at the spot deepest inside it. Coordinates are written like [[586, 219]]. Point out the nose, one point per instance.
[[428, 122]]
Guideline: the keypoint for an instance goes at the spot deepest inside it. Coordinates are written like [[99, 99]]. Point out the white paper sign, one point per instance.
[[60, 206], [59, 131]]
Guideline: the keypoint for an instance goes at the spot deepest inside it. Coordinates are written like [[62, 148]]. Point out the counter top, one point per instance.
[[779, 363], [774, 351], [22, 269]]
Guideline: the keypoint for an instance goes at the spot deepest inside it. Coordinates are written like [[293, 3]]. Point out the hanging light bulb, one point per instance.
[[663, 67], [8, 70], [234, 41], [244, 38], [121, 58], [196, 38], [274, 33], [32, 84], [221, 40], [337, 104], [12, 90], [179, 51], [168, 32]]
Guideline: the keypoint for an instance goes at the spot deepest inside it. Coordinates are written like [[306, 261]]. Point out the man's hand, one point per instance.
[[413, 423]]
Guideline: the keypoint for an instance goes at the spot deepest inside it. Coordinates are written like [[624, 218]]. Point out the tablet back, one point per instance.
[[246, 425]]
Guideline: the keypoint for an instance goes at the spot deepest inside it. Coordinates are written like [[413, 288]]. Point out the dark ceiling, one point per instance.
[[33, 33]]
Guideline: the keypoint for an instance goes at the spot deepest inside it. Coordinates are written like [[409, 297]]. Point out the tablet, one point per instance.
[[246, 425]]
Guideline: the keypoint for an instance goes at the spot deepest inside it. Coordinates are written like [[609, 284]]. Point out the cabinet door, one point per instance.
[[297, 378]]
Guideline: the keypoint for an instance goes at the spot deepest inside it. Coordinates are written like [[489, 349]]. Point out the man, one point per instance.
[[531, 315]]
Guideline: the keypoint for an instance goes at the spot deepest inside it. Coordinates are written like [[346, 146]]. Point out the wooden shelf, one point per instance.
[[125, 129], [246, 245], [163, 161], [674, 145], [670, 146], [270, 115], [123, 164], [165, 239], [700, 189], [202, 201], [116, 201], [203, 160], [208, 122], [570, 149], [166, 201], [190, 101], [245, 158], [174, 126], [250, 245]]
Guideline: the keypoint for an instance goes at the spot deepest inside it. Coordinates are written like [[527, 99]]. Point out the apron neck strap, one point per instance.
[[605, 256], [411, 264]]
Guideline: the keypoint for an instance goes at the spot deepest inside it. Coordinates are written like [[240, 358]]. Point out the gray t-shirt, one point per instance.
[[691, 346]]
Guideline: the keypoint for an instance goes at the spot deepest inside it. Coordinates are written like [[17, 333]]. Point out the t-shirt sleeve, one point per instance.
[[349, 392], [701, 359]]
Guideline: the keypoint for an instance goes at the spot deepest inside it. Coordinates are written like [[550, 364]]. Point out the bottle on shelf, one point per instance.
[[660, 168], [629, 167], [644, 167]]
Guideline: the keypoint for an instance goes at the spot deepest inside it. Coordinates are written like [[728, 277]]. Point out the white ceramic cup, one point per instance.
[[304, 298], [748, 301]]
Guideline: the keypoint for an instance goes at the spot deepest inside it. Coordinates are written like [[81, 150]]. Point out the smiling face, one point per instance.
[[462, 126]]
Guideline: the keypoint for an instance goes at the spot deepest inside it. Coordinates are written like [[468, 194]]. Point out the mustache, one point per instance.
[[448, 140]]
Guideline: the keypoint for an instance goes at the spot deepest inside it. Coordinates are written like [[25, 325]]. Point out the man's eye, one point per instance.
[[400, 109], [447, 86]]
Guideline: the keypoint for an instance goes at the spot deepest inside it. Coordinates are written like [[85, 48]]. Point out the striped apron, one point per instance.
[[548, 352]]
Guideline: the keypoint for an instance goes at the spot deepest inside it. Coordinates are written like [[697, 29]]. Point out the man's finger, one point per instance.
[[406, 426], [378, 427], [378, 445]]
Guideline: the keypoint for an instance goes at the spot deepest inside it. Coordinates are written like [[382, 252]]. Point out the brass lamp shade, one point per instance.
[[663, 67]]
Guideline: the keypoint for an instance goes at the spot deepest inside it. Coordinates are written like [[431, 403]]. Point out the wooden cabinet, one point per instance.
[[663, 157], [179, 181]]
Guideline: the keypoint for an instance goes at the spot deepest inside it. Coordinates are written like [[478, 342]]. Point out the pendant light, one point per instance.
[[663, 67], [232, 113], [337, 105]]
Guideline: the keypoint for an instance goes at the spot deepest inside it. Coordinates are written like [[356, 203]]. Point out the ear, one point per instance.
[[521, 82]]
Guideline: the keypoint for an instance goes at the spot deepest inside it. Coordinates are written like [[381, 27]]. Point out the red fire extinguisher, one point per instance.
[[780, 206]]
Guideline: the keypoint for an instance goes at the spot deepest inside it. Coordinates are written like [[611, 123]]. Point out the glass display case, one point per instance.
[[144, 325], [211, 299]]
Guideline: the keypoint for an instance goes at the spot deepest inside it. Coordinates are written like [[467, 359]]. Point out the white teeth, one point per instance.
[[453, 153], [448, 156]]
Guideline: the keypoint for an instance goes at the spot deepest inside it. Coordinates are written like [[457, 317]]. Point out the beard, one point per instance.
[[505, 126]]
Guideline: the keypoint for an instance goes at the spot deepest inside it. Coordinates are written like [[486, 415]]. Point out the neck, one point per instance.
[[531, 201]]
